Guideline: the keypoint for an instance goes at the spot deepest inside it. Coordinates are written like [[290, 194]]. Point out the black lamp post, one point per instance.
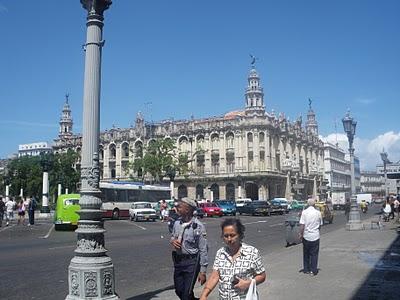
[[354, 223], [386, 161]]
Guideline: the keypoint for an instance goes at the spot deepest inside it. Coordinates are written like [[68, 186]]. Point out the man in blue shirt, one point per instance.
[[189, 250]]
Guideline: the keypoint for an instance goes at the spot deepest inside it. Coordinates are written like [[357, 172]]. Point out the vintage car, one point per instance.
[[298, 204], [256, 207], [65, 216], [228, 207], [281, 203], [142, 211], [327, 215], [211, 209]]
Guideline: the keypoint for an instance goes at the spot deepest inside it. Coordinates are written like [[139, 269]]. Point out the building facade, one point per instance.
[[373, 183], [249, 153], [33, 149]]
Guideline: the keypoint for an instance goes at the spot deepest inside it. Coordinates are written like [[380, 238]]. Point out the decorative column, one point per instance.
[[45, 163], [59, 189], [354, 222], [91, 272], [7, 192]]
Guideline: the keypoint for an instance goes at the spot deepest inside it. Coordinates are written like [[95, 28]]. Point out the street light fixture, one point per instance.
[[386, 161], [354, 223]]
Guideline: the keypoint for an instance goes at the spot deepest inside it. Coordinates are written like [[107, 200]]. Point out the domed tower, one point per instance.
[[65, 120], [311, 124], [254, 93]]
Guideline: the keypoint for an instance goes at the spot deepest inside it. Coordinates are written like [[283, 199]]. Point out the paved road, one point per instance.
[[34, 260]]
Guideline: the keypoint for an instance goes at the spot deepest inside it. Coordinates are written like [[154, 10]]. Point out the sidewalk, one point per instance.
[[353, 265]]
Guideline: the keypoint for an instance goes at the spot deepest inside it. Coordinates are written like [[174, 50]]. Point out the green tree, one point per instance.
[[160, 160], [64, 172], [26, 173]]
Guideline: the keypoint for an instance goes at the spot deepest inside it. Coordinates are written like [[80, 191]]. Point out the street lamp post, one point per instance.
[[354, 223], [91, 272], [386, 161]]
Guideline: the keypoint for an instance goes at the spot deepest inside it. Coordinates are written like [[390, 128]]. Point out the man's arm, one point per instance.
[[203, 249]]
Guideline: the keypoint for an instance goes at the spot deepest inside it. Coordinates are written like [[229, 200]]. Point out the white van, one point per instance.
[[240, 202], [366, 197]]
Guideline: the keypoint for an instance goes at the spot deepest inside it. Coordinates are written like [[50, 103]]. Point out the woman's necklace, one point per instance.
[[235, 254]]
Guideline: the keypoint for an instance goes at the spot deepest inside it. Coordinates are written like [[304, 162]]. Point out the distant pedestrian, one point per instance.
[[391, 208], [310, 223], [2, 210], [10, 206], [397, 206], [164, 210], [31, 210], [189, 250], [235, 265], [21, 212]]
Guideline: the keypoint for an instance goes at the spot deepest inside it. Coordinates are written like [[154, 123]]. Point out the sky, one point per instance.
[[178, 58]]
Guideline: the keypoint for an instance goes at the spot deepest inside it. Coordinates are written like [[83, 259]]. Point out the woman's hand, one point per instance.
[[243, 284]]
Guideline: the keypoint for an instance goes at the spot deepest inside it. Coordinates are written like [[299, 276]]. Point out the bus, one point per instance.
[[118, 196]]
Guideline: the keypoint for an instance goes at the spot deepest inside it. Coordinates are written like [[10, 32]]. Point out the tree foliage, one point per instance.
[[159, 159], [27, 173]]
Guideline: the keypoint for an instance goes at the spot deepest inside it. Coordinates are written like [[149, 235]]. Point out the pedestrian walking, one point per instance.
[[21, 212], [310, 223], [189, 250], [397, 206], [391, 215], [236, 264], [2, 210], [164, 210], [31, 210], [10, 206]]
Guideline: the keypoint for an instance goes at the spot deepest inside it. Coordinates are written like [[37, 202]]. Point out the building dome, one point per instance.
[[234, 114]]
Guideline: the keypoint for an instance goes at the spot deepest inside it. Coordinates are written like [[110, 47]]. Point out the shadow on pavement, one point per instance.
[[152, 294], [383, 281]]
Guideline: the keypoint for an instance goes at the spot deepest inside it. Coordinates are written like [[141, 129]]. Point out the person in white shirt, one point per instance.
[[310, 222], [10, 206]]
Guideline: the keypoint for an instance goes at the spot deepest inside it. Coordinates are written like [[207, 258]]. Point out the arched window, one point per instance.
[[230, 191], [215, 189], [113, 152], [182, 191], [125, 150], [199, 191]]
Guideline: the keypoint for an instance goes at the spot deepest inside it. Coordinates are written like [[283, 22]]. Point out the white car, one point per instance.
[[142, 211], [242, 201]]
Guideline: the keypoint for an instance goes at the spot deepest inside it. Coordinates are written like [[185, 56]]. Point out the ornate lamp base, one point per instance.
[[91, 278]]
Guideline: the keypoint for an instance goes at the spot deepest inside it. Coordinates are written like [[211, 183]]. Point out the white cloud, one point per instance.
[[368, 150], [3, 9], [365, 101]]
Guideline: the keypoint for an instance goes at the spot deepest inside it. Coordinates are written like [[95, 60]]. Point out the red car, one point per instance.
[[211, 209]]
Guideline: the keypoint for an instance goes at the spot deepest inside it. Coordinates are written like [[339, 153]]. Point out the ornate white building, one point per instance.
[[249, 153]]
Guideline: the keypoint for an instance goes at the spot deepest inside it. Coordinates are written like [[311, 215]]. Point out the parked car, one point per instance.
[[211, 209], [327, 215], [65, 216], [282, 203], [298, 204], [257, 207], [228, 207], [242, 201], [142, 211]]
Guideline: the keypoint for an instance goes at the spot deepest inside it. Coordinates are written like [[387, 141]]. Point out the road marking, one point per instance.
[[62, 247], [7, 227], [263, 221], [134, 224], [48, 233], [277, 224]]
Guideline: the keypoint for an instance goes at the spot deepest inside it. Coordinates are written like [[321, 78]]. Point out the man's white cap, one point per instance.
[[189, 202]]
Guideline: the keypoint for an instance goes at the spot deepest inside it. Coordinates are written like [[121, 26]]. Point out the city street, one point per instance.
[[35, 259]]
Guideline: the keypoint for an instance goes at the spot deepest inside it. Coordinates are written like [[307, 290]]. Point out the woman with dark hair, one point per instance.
[[235, 265]]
